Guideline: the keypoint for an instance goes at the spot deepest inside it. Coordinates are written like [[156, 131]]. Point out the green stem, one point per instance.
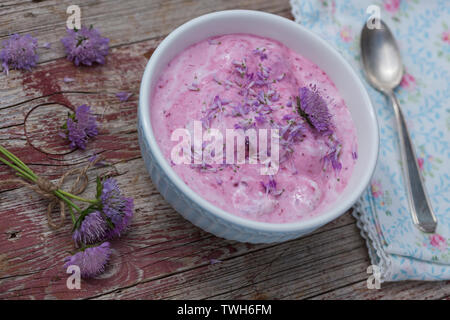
[[25, 172], [19, 163], [67, 194], [74, 219], [21, 171], [70, 203]]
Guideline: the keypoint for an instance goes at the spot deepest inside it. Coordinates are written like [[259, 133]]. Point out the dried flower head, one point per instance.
[[80, 126], [117, 208], [91, 260], [312, 107], [92, 229], [85, 46], [19, 52]]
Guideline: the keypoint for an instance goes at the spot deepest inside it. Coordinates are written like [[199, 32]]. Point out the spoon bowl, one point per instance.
[[381, 57]]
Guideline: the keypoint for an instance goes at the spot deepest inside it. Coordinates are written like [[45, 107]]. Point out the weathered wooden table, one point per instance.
[[163, 256]]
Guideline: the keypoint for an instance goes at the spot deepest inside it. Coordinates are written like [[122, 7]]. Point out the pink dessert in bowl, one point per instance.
[[235, 200], [246, 83]]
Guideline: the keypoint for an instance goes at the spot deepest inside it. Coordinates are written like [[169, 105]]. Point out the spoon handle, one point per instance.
[[419, 203]]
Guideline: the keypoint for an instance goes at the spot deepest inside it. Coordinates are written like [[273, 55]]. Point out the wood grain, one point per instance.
[[163, 256]]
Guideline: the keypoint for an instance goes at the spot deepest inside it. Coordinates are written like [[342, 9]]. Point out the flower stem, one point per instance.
[[19, 170], [67, 194], [70, 203], [74, 219], [17, 162], [24, 171]]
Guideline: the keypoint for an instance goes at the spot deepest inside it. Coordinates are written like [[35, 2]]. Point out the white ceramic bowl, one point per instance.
[[190, 204]]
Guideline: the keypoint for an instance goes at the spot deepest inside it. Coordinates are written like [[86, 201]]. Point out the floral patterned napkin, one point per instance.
[[421, 28]]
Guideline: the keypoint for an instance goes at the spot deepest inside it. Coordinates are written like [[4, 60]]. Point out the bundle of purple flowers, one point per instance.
[[108, 215]]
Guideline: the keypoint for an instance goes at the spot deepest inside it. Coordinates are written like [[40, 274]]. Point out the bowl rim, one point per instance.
[[311, 223]]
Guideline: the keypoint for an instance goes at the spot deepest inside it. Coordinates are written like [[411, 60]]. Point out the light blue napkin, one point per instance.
[[399, 249]]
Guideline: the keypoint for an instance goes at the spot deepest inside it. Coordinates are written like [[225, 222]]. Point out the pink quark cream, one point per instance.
[[244, 82]]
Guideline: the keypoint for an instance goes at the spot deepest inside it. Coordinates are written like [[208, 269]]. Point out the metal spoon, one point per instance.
[[384, 69]]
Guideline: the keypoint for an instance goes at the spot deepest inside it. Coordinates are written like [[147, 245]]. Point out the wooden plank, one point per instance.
[[399, 291], [269, 272], [124, 22]]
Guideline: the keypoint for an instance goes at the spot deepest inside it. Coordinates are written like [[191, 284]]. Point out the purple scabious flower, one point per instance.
[[80, 126], [85, 46], [92, 229], [312, 107], [91, 261], [19, 52], [117, 208]]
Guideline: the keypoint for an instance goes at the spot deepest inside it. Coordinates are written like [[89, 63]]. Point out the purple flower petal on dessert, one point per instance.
[[313, 108], [203, 167], [213, 42], [271, 187], [261, 52], [193, 87], [354, 155], [19, 52], [80, 126], [213, 111], [281, 76], [245, 124], [123, 96], [288, 117], [217, 80], [332, 156], [239, 110], [260, 119], [91, 261], [240, 67], [85, 46]]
